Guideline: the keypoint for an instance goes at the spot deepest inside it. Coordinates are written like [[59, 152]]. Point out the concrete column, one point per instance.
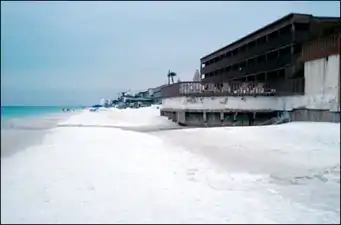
[[235, 118], [222, 116], [175, 116], [204, 116]]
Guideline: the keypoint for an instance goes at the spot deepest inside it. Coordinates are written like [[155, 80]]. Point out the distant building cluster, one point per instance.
[[139, 99]]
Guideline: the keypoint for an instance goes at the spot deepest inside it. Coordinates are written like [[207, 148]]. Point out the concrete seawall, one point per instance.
[[214, 118]]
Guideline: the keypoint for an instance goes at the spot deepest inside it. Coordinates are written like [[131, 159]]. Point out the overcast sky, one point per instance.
[[67, 53]]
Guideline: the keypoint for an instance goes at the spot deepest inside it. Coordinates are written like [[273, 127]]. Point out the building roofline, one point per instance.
[[333, 18], [286, 17]]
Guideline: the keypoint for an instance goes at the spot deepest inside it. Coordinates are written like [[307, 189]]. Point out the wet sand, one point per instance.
[[19, 133]]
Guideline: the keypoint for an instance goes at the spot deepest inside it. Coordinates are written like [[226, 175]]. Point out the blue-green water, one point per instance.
[[21, 111]]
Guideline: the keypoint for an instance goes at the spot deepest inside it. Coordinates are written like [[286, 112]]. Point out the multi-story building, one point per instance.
[[270, 53], [266, 74]]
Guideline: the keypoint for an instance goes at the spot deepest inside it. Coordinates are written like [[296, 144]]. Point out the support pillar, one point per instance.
[[235, 118], [221, 115], [222, 118], [204, 118]]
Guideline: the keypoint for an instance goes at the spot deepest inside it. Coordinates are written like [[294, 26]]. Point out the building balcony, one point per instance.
[[197, 89], [256, 50], [252, 69]]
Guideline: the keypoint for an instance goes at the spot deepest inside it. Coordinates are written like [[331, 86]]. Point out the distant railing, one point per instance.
[[197, 89]]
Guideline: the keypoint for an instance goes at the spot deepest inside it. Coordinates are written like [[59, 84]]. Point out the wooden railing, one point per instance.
[[256, 50], [251, 69], [197, 89]]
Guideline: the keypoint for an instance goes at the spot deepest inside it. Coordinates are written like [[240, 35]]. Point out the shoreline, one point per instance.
[[21, 132]]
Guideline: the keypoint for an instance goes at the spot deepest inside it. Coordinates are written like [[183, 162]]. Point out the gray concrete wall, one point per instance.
[[195, 119], [181, 117], [322, 79], [213, 119], [209, 119], [315, 115]]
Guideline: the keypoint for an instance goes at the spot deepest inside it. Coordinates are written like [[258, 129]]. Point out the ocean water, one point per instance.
[[22, 111], [23, 126]]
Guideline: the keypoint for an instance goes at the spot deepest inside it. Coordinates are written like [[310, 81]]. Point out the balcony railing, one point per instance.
[[256, 50], [197, 89], [283, 61]]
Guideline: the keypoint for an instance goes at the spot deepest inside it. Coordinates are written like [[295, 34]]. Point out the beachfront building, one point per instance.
[[144, 94], [157, 94], [287, 70]]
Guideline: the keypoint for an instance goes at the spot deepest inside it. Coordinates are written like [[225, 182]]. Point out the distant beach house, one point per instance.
[[287, 70], [148, 94], [157, 94]]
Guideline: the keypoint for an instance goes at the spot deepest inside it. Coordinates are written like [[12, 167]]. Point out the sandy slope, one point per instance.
[[101, 175]]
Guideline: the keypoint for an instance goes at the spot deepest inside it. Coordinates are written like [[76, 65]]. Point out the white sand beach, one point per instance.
[[18, 133], [114, 166]]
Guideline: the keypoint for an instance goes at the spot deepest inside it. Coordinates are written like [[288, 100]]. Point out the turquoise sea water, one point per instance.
[[21, 111]]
